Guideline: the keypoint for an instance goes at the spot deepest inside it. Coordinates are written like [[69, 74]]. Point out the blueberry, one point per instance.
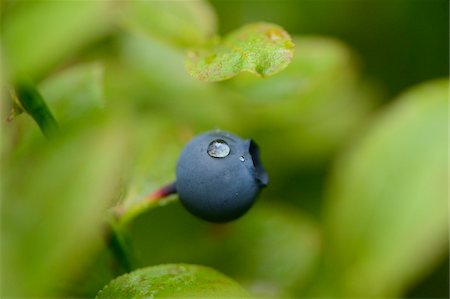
[[219, 176]]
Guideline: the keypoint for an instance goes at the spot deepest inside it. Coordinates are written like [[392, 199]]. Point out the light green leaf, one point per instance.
[[263, 49], [39, 35], [54, 200], [387, 205], [173, 281], [75, 92], [183, 23]]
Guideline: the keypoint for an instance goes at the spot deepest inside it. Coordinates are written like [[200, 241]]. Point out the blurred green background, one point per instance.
[[400, 43], [353, 134]]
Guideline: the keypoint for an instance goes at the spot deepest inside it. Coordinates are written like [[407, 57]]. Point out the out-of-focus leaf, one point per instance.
[[319, 98], [75, 92], [56, 197], [303, 115], [272, 250], [97, 272], [154, 145], [263, 49], [173, 281], [183, 23], [157, 144], [39, 35], [387, 204], [165, 88]]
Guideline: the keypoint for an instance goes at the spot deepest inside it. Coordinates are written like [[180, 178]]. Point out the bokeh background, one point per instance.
[[353, 134]]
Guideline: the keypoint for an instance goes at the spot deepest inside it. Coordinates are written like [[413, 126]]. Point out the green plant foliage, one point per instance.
[[399, 167], [76, 92], [315, 103], [152, 166], [182, 23], [66, 204], [173, 281], [250, 244], [263, 49], [147, 83], [242, 249], [34, 44], [32, 102], [356, 202]]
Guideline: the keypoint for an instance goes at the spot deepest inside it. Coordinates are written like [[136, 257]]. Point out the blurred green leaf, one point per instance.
[[302, 116], [173, 281], [37, 36], [183, 23], [144, 54], [156, 146], [76, 92], [272, 250], [96, 273], [387, 204], [165, 91], [56, 196], [263, 49]]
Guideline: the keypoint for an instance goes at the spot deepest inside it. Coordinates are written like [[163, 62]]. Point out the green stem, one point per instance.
[[125, 213], [118, 224], [33, 103], [119, 247]]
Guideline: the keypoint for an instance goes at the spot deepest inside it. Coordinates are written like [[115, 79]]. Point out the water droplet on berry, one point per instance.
[[241, 158], [218, 149]]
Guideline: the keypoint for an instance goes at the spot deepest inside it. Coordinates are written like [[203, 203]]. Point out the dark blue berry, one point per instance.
[[219, 176]]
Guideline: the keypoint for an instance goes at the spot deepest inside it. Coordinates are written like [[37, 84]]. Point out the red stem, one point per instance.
[[162, 192], [155, 196]]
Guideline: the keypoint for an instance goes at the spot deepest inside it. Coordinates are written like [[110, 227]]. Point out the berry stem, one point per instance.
[[124, 212], [117, 226], [162, 192]]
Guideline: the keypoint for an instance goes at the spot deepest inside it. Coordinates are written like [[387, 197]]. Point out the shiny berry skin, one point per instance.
[[219, 176]]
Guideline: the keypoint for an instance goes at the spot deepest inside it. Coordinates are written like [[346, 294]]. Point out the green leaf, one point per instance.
[[272, 250], [243, 249], [54, 200], [387, 205], [173, 281], [263, 49], [37, 36], [322, 62], [75, 92], [189, 103], [314, 105], [183, 23], [156, 146]]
